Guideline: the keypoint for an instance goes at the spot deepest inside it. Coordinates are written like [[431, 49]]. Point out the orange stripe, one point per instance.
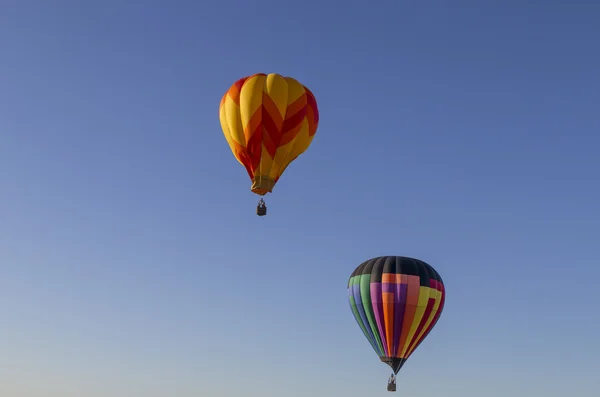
[[388, 278], [394, 278], [235, 89], [240, 153]]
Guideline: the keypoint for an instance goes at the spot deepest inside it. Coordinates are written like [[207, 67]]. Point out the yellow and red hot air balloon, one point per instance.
[[268, 121]]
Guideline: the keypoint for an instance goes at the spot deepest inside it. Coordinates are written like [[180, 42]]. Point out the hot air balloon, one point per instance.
[[396, 301], [268, 121]]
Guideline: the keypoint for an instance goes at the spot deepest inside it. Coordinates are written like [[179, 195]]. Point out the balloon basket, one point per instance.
[[391, 387], [261, 208]]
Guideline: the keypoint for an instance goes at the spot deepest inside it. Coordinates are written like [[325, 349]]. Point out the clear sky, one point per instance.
[[462, 133]]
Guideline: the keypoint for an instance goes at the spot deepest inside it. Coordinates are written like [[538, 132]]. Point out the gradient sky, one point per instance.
[[463, 133]]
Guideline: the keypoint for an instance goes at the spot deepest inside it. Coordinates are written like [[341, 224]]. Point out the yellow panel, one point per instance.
[[295, 90], [266, 163], [227, 133], [277, 89], [421, 306], [251, 99], [302, 140], [234, 122], [287, 153], [225, 126]]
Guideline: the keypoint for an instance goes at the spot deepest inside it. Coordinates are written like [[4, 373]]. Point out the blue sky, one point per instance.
[[132, 263]]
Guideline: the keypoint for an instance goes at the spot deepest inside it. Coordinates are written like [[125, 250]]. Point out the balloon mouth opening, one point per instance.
[[394, 362], [262, 185]]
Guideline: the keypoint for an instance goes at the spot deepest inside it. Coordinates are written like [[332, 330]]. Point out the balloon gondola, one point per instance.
[[261, 208], [268, 121], [396, 301], [392, 383]]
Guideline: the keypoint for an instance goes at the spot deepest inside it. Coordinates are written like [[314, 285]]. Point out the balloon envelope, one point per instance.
[[268, 121], [396, 301]]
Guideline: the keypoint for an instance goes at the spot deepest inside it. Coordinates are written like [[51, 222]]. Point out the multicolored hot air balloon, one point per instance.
[[268, 121], [396, 301]]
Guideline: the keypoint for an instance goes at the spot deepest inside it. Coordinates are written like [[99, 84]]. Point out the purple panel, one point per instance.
[[378, 310], [399, 305], [389, 287]]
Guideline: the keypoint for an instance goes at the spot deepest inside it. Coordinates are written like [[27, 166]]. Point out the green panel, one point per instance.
[[365, 294]]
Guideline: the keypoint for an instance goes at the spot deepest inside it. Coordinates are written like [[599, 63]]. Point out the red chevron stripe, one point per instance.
[[312, 104], [272, 123]]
